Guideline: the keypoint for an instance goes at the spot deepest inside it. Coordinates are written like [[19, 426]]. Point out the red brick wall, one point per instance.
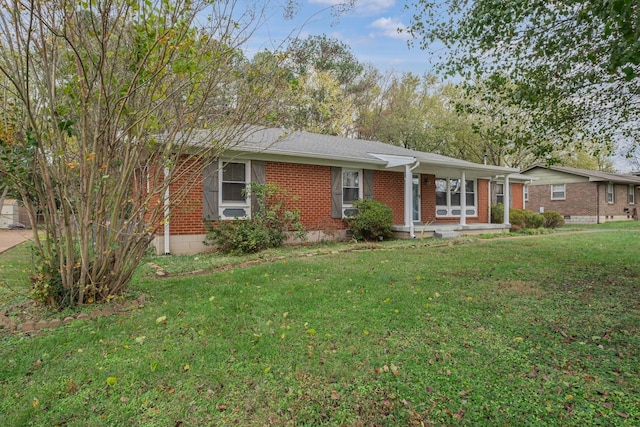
[[312, 184], [580, 199], [186, 200], [428, 198], [388, 188]]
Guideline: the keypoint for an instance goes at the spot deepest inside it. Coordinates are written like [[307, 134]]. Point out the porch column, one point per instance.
[[463, 199], [408, 197], [507, 196]]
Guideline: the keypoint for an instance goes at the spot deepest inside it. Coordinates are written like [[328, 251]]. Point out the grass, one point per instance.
[[531, 331]]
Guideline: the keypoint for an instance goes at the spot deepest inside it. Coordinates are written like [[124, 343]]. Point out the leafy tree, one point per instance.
[[574, 66], [110, 94]]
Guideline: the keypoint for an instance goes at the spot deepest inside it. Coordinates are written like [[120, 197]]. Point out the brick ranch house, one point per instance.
[[327, 173], [582, 196]]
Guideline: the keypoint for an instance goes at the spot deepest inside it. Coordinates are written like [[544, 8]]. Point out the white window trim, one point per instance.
[[631, 194], [525, 190], [564, 191], [449, 208], [224, 205], [499, 193], [360, 187], [611, 186]]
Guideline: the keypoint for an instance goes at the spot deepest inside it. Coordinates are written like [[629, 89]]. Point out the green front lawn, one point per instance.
[[523, 331]]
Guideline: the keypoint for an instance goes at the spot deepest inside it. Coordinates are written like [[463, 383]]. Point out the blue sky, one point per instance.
[[369, 28]]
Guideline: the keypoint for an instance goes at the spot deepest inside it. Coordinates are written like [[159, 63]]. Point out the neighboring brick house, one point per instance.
[[327, 173], [583, 196]]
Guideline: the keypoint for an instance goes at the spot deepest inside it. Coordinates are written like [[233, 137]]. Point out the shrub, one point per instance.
[[520, 219], [553, 219], [372, 222], [497, 213], [267, 228]]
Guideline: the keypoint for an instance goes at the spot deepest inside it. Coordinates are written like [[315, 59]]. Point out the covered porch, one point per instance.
[[446, 197]]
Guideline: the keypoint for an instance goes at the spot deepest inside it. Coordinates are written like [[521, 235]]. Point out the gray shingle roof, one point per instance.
[[594, 175], [306, 144]]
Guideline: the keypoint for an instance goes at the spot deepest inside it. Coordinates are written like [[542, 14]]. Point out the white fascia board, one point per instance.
[[394, 160]]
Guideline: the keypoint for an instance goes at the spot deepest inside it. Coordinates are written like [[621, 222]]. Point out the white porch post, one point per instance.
[[463, 199], [507, 196], [408, 198]]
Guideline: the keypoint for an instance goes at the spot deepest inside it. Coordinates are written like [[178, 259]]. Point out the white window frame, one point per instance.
[[231, 204], [525, 190], [360, 187], [555, 189], [611, 193], [631, 194], [449, 208], [499, 193]]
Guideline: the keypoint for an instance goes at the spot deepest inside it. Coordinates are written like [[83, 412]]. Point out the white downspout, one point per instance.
[[408, 198], [167, 229]]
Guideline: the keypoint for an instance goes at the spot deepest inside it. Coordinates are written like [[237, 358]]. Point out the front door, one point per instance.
[[416, 198]]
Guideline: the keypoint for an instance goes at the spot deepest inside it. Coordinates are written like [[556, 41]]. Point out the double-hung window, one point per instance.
[[611, 194], [351, 187], [234, 182], [558, 192], [449, 194], [631, 195]]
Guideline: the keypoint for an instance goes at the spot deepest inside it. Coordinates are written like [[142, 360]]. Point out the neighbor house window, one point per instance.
[[611, 195], [448, 197], [631, 198], [558, 192], [526, 193], [234, 182], [351, 186]]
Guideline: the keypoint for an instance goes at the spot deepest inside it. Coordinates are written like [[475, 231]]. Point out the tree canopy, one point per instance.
[[101, 99], [573, 65]]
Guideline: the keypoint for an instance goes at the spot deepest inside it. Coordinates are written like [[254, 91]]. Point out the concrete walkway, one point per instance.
[[11, 238]]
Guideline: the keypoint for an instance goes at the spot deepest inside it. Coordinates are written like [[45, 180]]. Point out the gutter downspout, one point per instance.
[[463, 199], [167, 228], [408, 197]]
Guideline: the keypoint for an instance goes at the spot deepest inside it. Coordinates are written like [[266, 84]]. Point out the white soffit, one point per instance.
[[394, 160]]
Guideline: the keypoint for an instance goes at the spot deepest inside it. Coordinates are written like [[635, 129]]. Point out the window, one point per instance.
[[611, 195], [558, 192], [234, 182], [631, 197], [526, 193], [448, 197], [351, 189], [500, 193]]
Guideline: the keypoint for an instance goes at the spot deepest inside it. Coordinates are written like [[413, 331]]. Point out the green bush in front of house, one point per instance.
[[553, 219], [524, 219], [372, 222], [269, 226]]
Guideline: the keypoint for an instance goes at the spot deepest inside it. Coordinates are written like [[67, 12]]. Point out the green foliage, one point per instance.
[[372, 222], [553, 219], [533, 334], [526, 54], [497, 213], [268, 227], [520, 219]]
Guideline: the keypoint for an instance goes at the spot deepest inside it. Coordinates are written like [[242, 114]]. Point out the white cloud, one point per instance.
[[388, 27], [365, 7]]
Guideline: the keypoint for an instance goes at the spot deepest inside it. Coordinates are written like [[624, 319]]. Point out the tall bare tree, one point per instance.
[[110, 92]]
